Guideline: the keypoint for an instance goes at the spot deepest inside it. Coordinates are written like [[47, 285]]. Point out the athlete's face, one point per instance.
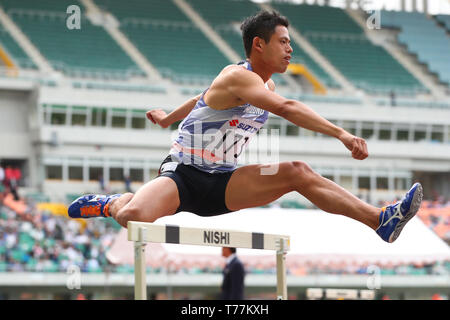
[[277, 52]]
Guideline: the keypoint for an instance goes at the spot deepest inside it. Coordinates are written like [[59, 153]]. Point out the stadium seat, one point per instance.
[[444, 19]]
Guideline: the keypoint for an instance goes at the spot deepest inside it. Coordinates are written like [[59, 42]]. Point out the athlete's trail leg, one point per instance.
[[154, 200]]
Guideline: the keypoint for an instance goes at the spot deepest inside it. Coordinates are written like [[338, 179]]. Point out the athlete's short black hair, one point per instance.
[[261, 25]]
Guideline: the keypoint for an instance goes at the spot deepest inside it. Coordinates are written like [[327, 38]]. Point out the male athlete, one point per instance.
[[202, 177]]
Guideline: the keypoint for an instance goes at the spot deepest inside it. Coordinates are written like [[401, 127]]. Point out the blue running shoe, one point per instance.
[[91, 205], [394, 217]]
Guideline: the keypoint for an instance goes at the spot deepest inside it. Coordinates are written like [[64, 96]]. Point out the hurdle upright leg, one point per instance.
[[140, 282], [281, 269]]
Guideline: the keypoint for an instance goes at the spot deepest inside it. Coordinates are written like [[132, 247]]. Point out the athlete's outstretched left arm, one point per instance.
[[160, 117]]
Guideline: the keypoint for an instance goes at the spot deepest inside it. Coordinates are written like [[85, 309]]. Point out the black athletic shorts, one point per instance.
[[200, 192]]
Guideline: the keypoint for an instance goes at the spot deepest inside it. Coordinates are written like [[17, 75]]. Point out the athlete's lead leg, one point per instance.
[[325, 194], [295, 176]]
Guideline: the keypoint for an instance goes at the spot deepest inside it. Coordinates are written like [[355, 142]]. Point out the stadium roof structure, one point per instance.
[[316, 237]]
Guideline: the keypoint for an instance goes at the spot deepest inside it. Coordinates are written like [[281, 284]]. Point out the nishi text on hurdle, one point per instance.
[[216, 237]]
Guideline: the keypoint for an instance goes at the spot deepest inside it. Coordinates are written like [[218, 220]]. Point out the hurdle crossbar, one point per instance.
[[142, 232]]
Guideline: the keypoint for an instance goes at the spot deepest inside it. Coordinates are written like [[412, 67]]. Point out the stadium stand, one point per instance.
[[88, 51], [343, 43], [183, 54], [444, 19], [40, 241], [423, 37], [227, 26], [436, 215], [14, 51]]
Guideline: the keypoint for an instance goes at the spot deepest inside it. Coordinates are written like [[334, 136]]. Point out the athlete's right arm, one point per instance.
[[158, 116], [249, 87]]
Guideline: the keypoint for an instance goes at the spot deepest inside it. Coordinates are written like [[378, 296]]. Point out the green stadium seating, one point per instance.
[[51, 266], [3, 214], [18, 255], [313, 18], [31, 265], [169, 40], [183, 53], [424, 38], [157, 10], [223, 12], [124, 268], [42, 5], [113, 223], [444, 19], [93, 269], [88, 52], [292, 204], [26, 242], [300, 56], [369, 67], [342, 41], [37, 197], [71, 197], [16, 53]]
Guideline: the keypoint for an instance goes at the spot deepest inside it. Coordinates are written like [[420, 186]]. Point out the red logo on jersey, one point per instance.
[[234, 123]]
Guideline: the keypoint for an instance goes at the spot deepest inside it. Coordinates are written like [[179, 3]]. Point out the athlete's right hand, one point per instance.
[[157, 116]]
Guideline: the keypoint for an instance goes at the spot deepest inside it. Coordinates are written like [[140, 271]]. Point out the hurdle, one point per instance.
[[142, 232]]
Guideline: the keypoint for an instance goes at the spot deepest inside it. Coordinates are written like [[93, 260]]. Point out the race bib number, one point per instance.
[[230, 140]]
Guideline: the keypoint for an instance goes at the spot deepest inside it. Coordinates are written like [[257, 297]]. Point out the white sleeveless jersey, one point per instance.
[[212, 140]]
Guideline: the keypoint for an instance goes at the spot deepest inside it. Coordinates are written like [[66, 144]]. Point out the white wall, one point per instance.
[[14, 129]]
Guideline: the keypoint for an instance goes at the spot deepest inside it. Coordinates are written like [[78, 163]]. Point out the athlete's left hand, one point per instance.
[[356, 145]]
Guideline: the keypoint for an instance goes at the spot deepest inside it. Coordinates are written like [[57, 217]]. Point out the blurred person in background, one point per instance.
[[13, 176], [2, 177], [127, 181], [233, 276], [2, 184]]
